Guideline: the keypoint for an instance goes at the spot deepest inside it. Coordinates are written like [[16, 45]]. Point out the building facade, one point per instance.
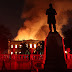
[[25, 47]]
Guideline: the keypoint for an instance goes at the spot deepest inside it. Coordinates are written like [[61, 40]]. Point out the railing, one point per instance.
[[4, 57], [21, 61], [36, 57], [21, 57]]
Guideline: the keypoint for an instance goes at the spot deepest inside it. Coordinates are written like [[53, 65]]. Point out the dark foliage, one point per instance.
[[4, 36]]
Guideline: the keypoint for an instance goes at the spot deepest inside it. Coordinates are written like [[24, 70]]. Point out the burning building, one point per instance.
[[25, 47]]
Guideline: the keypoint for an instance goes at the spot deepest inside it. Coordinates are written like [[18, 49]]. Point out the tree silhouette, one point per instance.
[[4, 36]]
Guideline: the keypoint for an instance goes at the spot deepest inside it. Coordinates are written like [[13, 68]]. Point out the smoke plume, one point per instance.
[[35, 24]]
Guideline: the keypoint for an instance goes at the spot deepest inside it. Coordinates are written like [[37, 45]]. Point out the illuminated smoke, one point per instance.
[[35, 24]]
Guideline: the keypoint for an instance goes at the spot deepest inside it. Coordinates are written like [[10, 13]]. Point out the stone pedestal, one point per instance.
[[55, 61]]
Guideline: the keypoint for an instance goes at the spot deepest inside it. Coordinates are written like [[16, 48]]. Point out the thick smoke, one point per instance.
[[35, 24], [67, 30]]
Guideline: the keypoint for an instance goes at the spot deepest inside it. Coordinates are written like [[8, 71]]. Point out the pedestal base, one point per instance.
[[55, 61]]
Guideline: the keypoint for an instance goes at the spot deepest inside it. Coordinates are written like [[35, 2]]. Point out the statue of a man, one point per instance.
[[51, 17]]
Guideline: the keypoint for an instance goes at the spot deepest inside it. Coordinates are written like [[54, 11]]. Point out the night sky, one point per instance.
[[10, 12], [13, 14]]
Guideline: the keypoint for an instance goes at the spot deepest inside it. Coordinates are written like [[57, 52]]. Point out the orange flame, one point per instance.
[[36, 27]]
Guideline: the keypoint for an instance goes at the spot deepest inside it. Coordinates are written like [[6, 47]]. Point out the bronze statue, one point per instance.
[[51, 17]]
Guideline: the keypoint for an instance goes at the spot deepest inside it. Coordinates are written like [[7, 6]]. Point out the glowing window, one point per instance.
[[19, 52], [11, 53], [27, 45], [20, 46], [15, 46], [11, 46], [30, 45], [34, 45], [15, 52]]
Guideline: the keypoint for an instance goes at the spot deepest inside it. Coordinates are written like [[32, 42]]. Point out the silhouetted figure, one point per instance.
[[51, 17], [3, 67]]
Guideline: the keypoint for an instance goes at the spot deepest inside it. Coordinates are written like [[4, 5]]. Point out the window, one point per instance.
[[20, 46], [34, 45], [19, 52], [15, 46], [11, 46], [15, 52], [27, 45], [30, 45], [11, 53]]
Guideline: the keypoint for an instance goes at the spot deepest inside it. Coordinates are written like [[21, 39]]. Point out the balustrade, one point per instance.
[[20, 57]]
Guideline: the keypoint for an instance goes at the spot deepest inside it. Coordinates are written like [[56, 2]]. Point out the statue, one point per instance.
[[51, 17]]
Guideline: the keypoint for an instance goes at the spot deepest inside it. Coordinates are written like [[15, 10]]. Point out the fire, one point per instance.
[[36, 29], [24, 38], [23, 35], [35, 25]]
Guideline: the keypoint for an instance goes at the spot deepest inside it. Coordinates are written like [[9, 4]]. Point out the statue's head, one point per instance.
[[50, 5]]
